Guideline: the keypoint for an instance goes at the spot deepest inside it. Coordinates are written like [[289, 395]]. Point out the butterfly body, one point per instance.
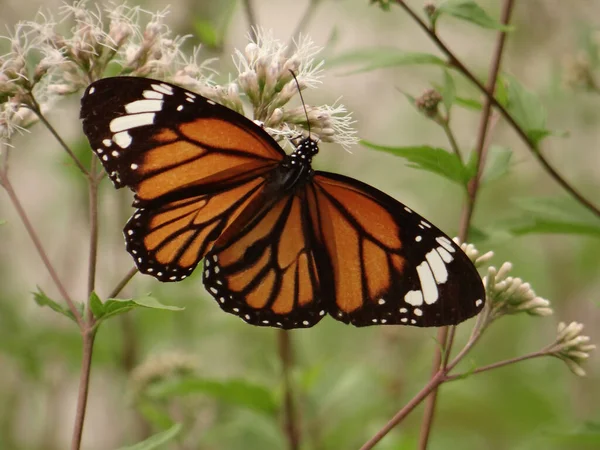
[[283, 245]]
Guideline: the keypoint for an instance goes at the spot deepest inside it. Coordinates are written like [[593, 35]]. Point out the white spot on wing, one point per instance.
[[404, 310], [92, 90], [447, 257], [478, 302], [163, 88], [428, 286], [122, 139], [132, 121], [407, 209], [180, 107], [141, 106], [152, 95], [445, 242], [418, 312], [418, 238], [414, 298], [437, 266], [107, 142]]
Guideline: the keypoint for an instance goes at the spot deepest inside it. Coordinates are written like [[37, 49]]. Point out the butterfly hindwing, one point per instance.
[[266, 273], [157, 138], [388, 265]]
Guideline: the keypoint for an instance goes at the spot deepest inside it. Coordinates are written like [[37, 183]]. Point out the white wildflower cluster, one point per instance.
[[508, 295], [572, 347], [49, 58], [265, 77], [473, 254]]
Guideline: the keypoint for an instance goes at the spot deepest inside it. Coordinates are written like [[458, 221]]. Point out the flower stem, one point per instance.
[[531, 145], [251, 17], [497, 365], [12, 195], [35, 107], [126, 279], [88, 336], [290, 419], [467, 214]]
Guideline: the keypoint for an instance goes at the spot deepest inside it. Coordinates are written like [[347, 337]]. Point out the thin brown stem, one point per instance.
[[451, 139], [126, 279], [84, 383], [89, 332], [531, 145], [408, 408], [472, 190], [431, 401], [496, 365], [304, 20], [35, 107], [93, 204], [290, 420], [5, 182], [251, 17]]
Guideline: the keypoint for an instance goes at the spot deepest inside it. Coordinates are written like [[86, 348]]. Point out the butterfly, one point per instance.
[[283, 245]]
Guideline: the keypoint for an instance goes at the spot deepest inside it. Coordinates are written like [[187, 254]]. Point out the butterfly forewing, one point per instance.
[[388, 264], [158, 138], [167, 240]]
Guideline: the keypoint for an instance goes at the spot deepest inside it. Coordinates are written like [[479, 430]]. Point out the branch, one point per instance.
[[304, 21], [454, 61], [497, 365], [5, 182], [126, 279], [84, 384], [400, 415], [290, 420], [93, 250], [467, 214], [35, 107], [251, 17]]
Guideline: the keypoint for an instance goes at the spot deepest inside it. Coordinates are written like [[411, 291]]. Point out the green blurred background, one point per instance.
[[349, 381]]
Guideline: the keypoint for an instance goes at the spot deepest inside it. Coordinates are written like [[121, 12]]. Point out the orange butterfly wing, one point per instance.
[[388, 265], [264, 270]]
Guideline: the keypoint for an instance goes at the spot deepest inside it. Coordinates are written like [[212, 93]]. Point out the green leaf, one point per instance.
[[43, 300], [448, 91], [207, 33], [96, 305], [115, 306], [587, 435], [497, 164], [468, 11], [431, 159], [157, 440], [554, 215], [148, 301], [468, 103], [369, 59], [235, 392], [527, 110]]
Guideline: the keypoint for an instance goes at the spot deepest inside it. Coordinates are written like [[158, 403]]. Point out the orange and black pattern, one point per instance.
[[283, 246]]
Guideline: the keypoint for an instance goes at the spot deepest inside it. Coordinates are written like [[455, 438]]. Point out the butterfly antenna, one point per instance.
[[302, 98]]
